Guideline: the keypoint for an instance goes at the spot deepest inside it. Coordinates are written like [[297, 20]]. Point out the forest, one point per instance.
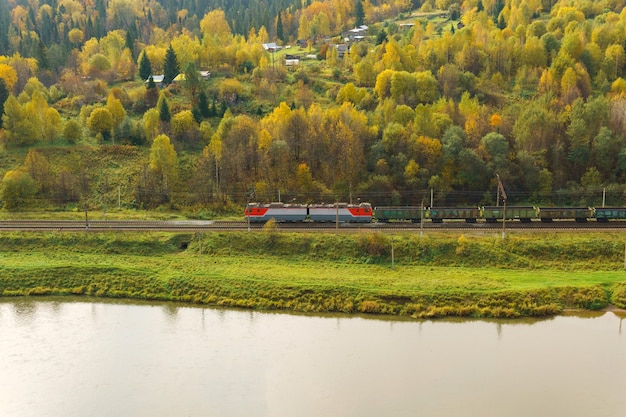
[[185, 105]]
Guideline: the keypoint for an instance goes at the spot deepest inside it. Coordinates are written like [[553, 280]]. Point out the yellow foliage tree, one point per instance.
[[9, 75], [164, 162], [17, 189]]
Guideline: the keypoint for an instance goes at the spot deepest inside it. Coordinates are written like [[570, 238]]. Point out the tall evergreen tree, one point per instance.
[[213, 108], [279, 28], [145, 67], [130, 43], [42, 56], [192, 82], [4, 95], [151, 84], [152, 94], [5, 19], [170, 66], [382, 37], [164, 109], [203, 104], [359, 14], [101, 8]]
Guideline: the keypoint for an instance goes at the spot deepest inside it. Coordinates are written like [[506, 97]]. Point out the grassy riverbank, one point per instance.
[[433, 276]]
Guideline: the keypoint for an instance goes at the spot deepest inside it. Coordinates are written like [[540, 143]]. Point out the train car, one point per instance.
[[280, 212], [604, 214], [580, 214], [386, 214], [439, 214], [524, 214], [343, 212]]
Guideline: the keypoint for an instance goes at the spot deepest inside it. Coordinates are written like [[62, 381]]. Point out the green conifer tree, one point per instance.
[[359, 14], [203, 104], [4, 95], [170, 66], [279, 28], [164, 109], [145, 67]]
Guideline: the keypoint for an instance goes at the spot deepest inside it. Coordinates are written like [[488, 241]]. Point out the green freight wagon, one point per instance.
[[580, 214], [604, 214], [387, 214], [525, 214], [439, 214]]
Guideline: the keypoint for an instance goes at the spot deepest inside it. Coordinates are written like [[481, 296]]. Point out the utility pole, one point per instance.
[[393, 258], [422, 218], [200, 247], [498, 194], [336, 217], [350, 193], [503, 194]]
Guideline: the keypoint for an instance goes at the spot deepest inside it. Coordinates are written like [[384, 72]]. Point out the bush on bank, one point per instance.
[[125, 279]]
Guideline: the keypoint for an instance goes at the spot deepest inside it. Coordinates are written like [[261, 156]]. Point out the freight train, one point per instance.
[[492, 214], [363, 213]]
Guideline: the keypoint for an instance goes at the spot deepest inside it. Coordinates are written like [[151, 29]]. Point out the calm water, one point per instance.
[[60, 358]]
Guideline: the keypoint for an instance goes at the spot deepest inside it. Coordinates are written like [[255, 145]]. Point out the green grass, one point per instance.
[[432, 277]]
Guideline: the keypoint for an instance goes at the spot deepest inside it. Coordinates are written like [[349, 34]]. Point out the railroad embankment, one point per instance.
[[434, 275]]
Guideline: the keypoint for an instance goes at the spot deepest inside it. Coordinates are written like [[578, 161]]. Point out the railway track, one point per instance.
[[214, 226]]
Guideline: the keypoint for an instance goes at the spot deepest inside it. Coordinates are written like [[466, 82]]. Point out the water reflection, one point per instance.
[[62, 358]]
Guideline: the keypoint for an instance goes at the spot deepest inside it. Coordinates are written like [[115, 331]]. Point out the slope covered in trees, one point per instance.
[[438, 95]]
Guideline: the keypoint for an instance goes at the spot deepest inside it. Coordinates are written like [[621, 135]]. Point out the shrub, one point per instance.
[[618, 297], [374, 244]]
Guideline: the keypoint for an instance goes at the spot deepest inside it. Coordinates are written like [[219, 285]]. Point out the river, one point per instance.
[[61, 357]]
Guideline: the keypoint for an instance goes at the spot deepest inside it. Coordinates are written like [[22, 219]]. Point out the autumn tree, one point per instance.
[[614, 58], [239, 152], [230, 90], [427, 153], [163, 166], [364, 72], [214, 151], [473, 173], [52, 125], [215, 23], [184, 128], [118, 113], [67, 187], [192, 83], [72, 131], [101, 122], [535, 127], [17, 190], [151, 123], [9, 76], [18, 126], [496, 147], [606, 151], [38, 167]]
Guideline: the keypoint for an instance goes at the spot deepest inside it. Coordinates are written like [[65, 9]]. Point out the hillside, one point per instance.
[[381, 101]]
